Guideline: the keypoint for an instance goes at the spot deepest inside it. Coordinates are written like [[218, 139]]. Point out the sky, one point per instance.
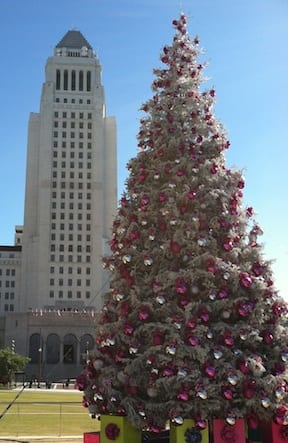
[[246, 49]]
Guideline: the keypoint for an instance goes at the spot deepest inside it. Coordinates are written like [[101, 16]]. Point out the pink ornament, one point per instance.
[[193, 341], [144, 313], [214, 169], [162, 197], [248, 388], [267, 336], [211, 266], [191, 195], [145, 200], [183, 395], [227, 244], [134, 235], [128, 329], [181, 286], [242, 365], [228, 338], [245, 279], [281, 415], [158, 337], [257, 269], [175, 247], [192, 322], [227, 393], [249, 212], [209, 370], [223, 293]]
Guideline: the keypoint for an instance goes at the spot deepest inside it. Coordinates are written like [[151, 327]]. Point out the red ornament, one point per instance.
[[174, 246], [112, 431], [214, 169], [257, 269], [144, 313], [227, 244], [281, 415], [228, 338], [227, 392], [181, 286], [248, 388], [158, 337], [242, 365], [245, 279], [209, 370]]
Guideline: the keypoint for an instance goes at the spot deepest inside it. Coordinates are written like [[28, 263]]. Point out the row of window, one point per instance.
[[73, 115], [8, 272], [70, 282], [70, 258], [69, 248], [63, 164], [70, 270], [63, 134], [68, 294], [81, 125], [73, 80], [72, 155], [8, 307], [7, 295], [72, 195], [71, 144], [70, 185], [72, 175], [8, 284], [80, 101], [71, 237]]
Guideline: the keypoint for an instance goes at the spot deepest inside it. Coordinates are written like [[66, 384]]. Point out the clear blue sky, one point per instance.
[[246, 46]]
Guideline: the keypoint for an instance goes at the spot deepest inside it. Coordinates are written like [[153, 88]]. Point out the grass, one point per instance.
[[45, 413]]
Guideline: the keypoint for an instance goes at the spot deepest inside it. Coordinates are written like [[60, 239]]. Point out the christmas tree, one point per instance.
[[193, 326]]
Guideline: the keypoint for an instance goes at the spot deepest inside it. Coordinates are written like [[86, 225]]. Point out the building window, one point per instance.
[[88, 81], [58, 77], [81, 81], [65, 80], [73, 80]]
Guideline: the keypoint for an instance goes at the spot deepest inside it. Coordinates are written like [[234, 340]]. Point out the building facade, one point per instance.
[[70, 203]]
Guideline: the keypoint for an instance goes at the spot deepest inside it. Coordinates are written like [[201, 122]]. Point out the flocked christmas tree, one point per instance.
[[193, 326]]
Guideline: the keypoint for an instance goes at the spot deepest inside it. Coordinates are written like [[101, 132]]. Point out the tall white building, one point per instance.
[[70, 199], [70, 194]]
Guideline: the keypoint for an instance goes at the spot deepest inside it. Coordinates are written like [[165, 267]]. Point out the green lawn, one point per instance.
[[45, 413]]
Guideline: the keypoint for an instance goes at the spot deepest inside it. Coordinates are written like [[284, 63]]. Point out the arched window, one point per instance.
[[73, 80], [52, 349], [65, 80], [88, 81], [58, 79], [34, 347], [81, 81], [69, 349]]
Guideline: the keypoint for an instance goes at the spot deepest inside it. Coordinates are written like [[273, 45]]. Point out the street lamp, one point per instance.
[[39, 366]]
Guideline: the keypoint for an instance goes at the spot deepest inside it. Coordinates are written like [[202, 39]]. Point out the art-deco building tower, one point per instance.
[[70, 197]]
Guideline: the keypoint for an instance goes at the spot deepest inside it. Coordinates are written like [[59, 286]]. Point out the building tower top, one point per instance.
[[73, 44]]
